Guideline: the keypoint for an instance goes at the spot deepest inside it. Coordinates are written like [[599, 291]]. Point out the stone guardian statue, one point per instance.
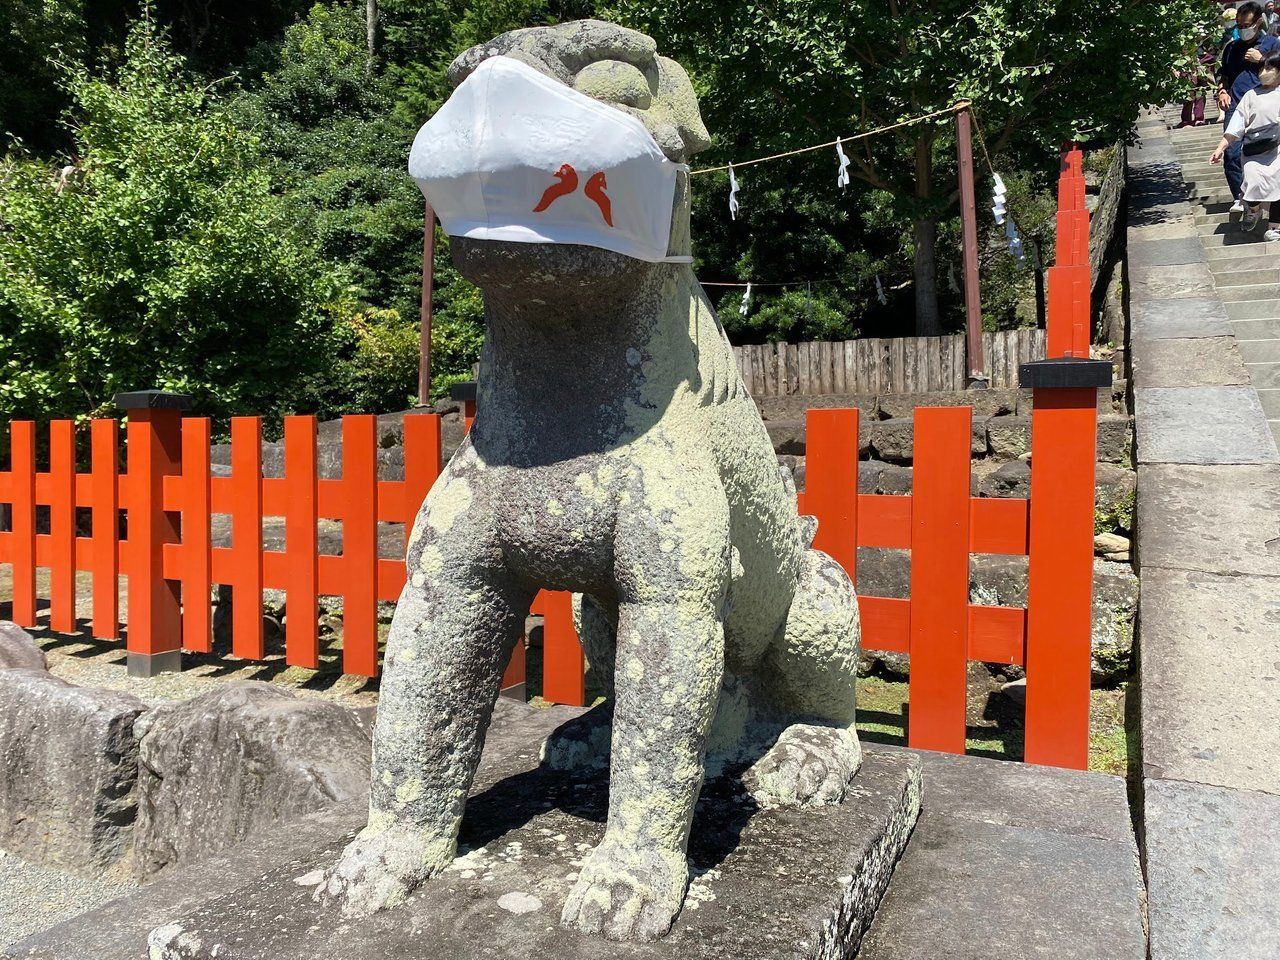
[[616, 454]]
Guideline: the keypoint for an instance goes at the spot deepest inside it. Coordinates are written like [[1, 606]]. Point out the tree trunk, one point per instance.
[[928, 323], [371, 31]]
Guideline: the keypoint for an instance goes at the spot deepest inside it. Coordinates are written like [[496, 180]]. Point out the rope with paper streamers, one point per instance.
[[999, 206]]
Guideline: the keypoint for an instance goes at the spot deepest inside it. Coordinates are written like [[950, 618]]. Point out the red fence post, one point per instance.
[[1060, 584], [563, 679], [246, 537], [197, 554], [301, 547], [831, 483], [155, 452], [62, 526], [360, 545], [940, 578], [104, 495], [22, 447]]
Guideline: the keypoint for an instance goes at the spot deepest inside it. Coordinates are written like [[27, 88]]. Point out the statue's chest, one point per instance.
[[556, 522]]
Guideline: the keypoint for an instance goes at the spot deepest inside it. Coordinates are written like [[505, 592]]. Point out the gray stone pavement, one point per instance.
[[1205, 353]]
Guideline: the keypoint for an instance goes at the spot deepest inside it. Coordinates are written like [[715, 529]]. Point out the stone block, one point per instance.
[[1198, 362], [1204, 425], [828, 870], [1013, 860], [68, 772], [19, 650], [1012, 479], [794, 406], [893, 440], [1211, 678], [991, 402], [1213, 868], [1171, 282], [1160, 319], [229, 763], [1176, 250], [787, 436], [1211, 519], [1114, 489], [1002, 581], [1114, 439], [1009, 437]]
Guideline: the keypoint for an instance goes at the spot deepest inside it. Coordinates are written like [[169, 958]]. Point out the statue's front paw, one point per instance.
[[380, 868], [809, 766], [627, 895]]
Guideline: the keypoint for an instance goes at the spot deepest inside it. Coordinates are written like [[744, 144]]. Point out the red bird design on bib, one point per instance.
[[568, 182], [595, 191]]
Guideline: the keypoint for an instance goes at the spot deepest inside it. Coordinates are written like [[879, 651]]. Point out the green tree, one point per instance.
[[33, 33], [161, 258], [1037, 74]]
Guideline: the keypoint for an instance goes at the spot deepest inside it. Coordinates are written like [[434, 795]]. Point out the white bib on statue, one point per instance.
[[514, 155]]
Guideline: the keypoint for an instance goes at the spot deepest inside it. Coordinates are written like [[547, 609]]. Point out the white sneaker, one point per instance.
[[1238, 207], [1272, 234]]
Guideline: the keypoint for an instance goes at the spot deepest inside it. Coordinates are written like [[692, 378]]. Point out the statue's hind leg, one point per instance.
[[810, 674]]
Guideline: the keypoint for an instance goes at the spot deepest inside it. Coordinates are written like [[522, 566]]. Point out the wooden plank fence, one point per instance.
[[874, 366]]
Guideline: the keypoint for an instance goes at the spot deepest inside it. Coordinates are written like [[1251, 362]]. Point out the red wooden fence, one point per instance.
[[169, 495]]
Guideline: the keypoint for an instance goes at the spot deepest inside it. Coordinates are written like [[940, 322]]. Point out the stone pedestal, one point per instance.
[[764, 883]]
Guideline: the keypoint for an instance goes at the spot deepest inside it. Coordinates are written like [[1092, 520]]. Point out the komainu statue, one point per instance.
[[616, 454]]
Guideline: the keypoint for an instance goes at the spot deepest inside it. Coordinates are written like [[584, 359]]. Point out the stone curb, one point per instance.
[[1206, 530]]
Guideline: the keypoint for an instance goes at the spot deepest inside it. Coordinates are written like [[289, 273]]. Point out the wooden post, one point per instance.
[[831, 484], [155, 452], [940, 579], [428, 277], [969, 234], [22, 522], [563, 679]]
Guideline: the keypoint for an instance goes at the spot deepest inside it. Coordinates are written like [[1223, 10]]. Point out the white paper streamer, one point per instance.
[[746, 302], [733, 194], [880, 291], [842, 177]]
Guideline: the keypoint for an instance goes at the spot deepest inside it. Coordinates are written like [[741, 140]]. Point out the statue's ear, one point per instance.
[[677, 99]]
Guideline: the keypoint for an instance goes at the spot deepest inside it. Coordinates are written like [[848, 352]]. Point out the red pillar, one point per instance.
[[155, 452]]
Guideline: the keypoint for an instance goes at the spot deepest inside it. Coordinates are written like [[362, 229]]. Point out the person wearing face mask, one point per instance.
[[1237, 75], [1255, 130]]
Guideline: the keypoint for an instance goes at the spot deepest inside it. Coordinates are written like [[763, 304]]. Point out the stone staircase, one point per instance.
[[1246, 269]]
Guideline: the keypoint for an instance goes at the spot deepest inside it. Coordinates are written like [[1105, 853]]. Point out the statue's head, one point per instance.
[[559, 159]]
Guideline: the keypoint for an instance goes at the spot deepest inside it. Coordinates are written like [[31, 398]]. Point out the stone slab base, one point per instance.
[[1014, 861], [764, 883]]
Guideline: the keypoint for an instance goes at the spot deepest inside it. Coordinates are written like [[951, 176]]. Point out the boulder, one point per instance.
[[893, 440], [1002, 581], [787, 436], [1115, 439], [19, 650], [1009, 437], [68, 772], [991, 402], [1111, 546], [1114, 488], [794, 406], [1012, 479], [218, 767]]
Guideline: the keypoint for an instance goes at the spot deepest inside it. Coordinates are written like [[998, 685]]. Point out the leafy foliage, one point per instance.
[[161, 259]]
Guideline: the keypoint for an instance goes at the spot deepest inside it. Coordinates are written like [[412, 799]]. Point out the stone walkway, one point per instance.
[[1246, 269], [1204, 315]]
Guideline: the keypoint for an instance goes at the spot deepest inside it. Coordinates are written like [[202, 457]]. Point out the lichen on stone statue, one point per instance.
[[616, 454]]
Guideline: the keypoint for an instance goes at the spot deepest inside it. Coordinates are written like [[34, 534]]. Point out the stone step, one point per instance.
[[1270, 398], [1262, 328], [1224, 269], [1264, 376], [1238, 239], [1257, 291], [1260, 351], [1254, 310], [1240, 278]]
